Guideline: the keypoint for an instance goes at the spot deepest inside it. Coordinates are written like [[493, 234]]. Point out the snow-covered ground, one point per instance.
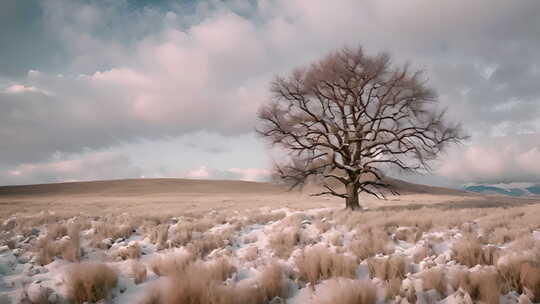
[[423, 256]]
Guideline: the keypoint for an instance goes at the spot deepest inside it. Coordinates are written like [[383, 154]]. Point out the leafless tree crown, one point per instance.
[[348, 117]]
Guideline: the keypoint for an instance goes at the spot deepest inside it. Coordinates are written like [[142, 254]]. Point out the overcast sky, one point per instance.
[[124, 88]]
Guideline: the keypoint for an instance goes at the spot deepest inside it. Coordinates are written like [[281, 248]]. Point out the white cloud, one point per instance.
[[91, 166], [505, 159], [198, 173], [20, 89], [133, 74], [247, 174]]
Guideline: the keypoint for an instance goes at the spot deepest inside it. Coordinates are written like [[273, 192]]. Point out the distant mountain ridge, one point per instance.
[[511, 189]]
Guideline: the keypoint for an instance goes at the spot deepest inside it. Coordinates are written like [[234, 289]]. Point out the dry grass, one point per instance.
[[524, 299], [261, 218], [204, 286], [47, 248], [458, 277], [250, 238], [345, 291], [209, 242], [469, 251], [159, 235], [104, 230], [283, 242], [435, 278], [200, 290], [526, 242], [408, 234], [482, 285], [185, 232], [388, 268], [370, 242], [138, 271], [502, 235], [90, 282], [170, 264], [392, 288], [72, 250], [132, 251], [336, 239], [530, 280], [521, 272], [56, 231], [322, 225], [251, 253], [371, 233], [422, 252], [319, 263], [271, 283]]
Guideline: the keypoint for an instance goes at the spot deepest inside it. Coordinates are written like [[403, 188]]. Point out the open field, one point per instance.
[[178, 196], [185, 241]]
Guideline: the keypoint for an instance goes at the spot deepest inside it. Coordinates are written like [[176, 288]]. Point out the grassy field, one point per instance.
[[178, 196], [185, 241]]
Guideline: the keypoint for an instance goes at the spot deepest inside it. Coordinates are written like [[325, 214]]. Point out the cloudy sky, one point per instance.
[[132, 88]]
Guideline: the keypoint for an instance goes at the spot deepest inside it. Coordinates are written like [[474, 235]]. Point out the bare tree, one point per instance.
[[348, 118]]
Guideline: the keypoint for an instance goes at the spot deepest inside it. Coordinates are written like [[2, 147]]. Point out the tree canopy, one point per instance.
[[348, 118]]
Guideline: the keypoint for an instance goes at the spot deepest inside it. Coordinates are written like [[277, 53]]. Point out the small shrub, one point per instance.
[[90, 282]]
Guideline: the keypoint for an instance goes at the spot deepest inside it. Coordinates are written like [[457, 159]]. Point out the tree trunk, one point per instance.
[[352, 197]]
